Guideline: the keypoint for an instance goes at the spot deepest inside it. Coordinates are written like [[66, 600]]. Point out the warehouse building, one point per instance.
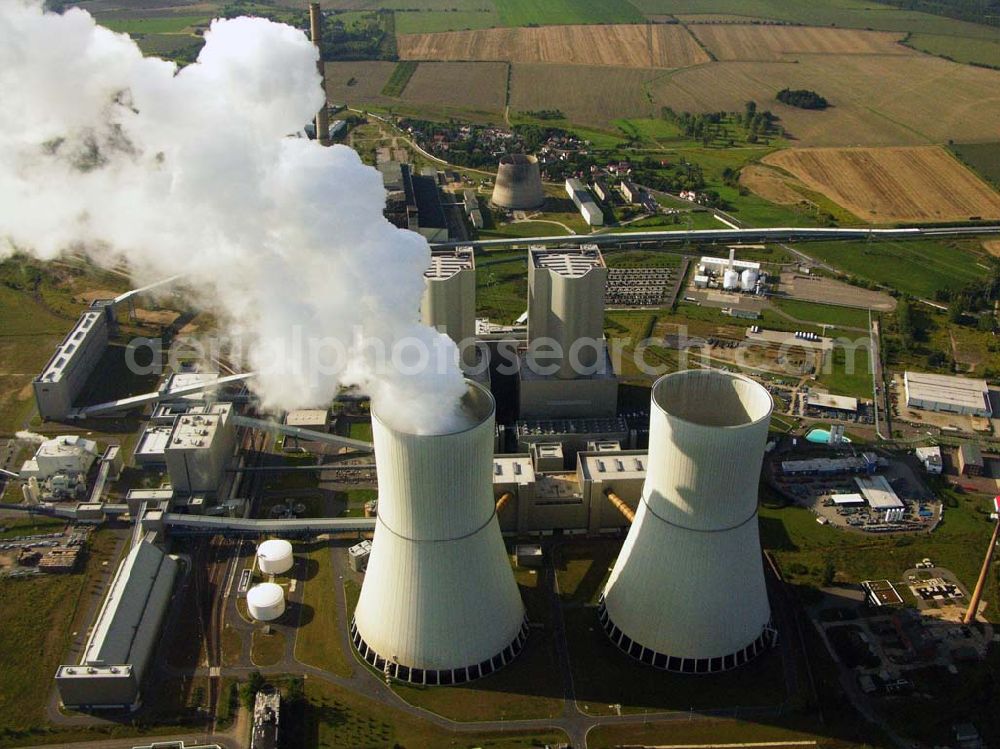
[[820, 402], [125, 633], [67, 371], [584, 203], [199, 449], [878, 493], [958, 395]]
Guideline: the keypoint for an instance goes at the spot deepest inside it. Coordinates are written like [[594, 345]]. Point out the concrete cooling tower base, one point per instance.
[[687, 592]]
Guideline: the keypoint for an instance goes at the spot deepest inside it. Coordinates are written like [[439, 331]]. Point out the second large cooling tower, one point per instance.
[[687, 592], [439, 604], [519, 183]]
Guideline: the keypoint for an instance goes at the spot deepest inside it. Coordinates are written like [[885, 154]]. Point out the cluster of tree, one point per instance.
[[674, 178], [749, 125], [546, 114], [802, 98], [371, 36], [973, 298]]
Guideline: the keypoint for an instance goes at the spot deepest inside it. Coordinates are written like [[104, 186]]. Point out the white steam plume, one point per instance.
[[190, 172]]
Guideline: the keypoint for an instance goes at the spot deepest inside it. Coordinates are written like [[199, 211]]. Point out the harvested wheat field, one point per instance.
[[746, 42], [992, 246], [923, 183], [631, 46], [770, 185]]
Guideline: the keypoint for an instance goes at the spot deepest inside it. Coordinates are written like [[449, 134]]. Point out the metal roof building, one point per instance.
[[687, 592], [439, 604], [960, 395], [832, 402], [125, 633], [878, 493]]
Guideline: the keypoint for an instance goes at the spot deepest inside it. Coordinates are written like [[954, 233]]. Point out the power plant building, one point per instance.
[[957, 395], [69, 454], [449, 300], [687, 592], [566, 371], [519, 183], [67, 371], [584, 203], [118, 652], [439, 604], [199, 449]]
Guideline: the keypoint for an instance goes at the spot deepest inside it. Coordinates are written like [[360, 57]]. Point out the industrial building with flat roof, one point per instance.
[[125, 633], [66, 372], [199, 449], [584, 203], [828, 402], [878, 493], [70, 454], [959, 395]]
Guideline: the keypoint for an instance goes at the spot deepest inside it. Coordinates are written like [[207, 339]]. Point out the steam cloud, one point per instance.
[[191, 172]]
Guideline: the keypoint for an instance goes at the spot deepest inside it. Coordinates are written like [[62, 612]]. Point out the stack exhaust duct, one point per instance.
[[316, 34], [519, 183], [439, 604], [687, 593]]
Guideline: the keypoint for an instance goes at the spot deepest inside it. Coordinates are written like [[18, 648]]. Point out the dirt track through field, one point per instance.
[[632, 46], [746, 42], [923, 183]]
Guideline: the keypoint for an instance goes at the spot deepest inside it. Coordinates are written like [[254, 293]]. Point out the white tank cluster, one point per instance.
[[731, 280], [439, 604], [687, 592], [274, 557], [266, 602]]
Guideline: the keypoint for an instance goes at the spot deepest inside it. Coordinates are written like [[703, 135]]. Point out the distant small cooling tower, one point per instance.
[[519, 183], [687, 593], [439, 604]]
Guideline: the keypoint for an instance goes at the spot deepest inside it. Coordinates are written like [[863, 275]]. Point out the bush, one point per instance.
[[802, 98]]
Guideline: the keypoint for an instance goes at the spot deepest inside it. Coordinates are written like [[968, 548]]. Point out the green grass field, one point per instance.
[[847, 371], [916, 267], [158, 25], [857, 14], [267, 649], [400, 77], [823, 314], [501, 285], [556, 12], [983, 158], [428, 21], [316, 640], [957, 48]]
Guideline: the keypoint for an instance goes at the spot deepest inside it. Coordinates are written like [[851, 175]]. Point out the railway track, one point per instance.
[[221, 554]]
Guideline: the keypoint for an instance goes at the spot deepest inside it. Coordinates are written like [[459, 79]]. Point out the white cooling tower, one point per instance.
[[274, 557], [687, 592], [439, 603], [266, 602]]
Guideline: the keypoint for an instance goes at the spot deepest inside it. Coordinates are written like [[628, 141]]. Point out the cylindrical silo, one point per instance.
[[266, 602], [731, 280], [748, 279], [519, 183], [439, 604], [687, 592], [274, 557]]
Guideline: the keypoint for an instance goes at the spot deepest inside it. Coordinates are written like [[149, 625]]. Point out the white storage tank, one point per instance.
[[274, 557], [731, 280], [748, 280], [266, 602]]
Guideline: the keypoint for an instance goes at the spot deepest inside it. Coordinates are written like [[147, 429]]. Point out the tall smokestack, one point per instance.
[[316, 33]]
